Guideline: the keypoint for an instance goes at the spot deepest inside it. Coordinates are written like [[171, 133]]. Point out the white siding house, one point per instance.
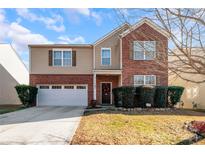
[[12, 72]]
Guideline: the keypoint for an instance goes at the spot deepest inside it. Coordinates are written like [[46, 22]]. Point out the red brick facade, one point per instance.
[[158, 67], [64, 79], [103, 78]]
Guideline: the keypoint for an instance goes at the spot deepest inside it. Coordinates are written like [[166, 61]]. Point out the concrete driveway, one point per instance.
[[40, 125]]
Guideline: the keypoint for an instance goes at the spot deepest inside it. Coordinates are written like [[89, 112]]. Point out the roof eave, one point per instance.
[[60, 45], [150, 23], [110, 33]]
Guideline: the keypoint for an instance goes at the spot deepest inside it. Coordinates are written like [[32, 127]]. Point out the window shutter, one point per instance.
[[73, 58], [50, 57], [131, 50]]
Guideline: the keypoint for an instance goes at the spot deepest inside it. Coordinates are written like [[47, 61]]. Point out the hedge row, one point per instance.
[[144, 96]]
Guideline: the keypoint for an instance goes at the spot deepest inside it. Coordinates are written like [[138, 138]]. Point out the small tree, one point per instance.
[[186, 45], [27, 94]]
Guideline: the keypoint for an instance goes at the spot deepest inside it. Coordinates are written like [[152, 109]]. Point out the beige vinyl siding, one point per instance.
[[39, 61], [192, 93], [112, 42]]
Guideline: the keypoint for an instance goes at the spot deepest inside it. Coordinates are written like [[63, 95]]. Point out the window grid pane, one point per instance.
[[106, 57], [66, 62], [149, 47], [57, 58], [144, 80], [57, 54], [138, 50], [150, 80], [138, 80], [139, 55], [67, 58], [56, 87], [144, 50], [67, 54]]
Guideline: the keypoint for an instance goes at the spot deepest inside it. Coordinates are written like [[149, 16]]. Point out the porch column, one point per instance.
[[120, 80], [94, 86]]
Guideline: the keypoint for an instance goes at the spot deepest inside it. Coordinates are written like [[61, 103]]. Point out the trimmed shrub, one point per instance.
[[27, 94], [160, 100], [174, 95], [147, 96], [124, 96], [137, 97], [117, 92], [159, 96], [128, 95]]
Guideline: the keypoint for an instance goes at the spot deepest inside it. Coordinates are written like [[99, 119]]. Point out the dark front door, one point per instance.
[[106, 93]]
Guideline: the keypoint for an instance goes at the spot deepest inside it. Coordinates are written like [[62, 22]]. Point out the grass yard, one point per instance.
[[9, 108], [135, 127]]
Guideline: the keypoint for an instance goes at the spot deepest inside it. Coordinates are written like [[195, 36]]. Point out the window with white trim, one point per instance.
[[140, 80], [105, 56], [44, 87], [56, 87], [81, 87], [144, 50], [68, 87], [62, 57]]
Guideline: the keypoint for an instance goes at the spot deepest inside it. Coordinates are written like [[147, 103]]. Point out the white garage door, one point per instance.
[[62, 95]]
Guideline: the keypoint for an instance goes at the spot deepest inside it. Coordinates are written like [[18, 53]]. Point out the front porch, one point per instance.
[[103, 83]]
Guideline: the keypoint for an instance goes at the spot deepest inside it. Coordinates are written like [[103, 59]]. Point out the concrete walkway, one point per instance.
[[40, 125]]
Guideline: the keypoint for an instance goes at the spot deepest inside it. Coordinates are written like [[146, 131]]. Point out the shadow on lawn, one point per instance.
[[196, 138], [171, 112]]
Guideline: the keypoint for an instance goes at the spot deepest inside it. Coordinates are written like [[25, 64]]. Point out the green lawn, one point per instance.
[[9, 108], [138, 127]]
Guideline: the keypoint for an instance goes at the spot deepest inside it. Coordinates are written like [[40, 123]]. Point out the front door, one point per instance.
[[106, 93]]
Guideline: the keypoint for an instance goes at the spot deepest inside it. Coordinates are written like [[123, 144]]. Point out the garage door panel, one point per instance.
[[62, 97]]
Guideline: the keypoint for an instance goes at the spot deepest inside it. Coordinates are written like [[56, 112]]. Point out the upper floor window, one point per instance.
[[144, 80], [144, 50], [62, 58], [106, 56]]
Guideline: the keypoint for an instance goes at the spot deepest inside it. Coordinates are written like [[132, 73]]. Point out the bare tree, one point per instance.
[[186, 29]]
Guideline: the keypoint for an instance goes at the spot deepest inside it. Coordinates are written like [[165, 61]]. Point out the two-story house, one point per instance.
[[75, 74]]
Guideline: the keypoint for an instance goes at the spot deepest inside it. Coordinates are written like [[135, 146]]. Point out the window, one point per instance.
[[56, 87], [57, 58], [67, 58], [144, 50], [144, 80], [44, 87], [81, 87], [68, 87], [62, 58], [106, 56], [150, 79], [138, 50]]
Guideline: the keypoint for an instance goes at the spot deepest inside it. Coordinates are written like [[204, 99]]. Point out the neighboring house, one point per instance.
[[193, 92], [75, 74], [12, 73]]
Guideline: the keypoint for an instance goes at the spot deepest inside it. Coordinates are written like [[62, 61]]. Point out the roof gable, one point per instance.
[[148, 22], [111, 33], [13, 64]]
